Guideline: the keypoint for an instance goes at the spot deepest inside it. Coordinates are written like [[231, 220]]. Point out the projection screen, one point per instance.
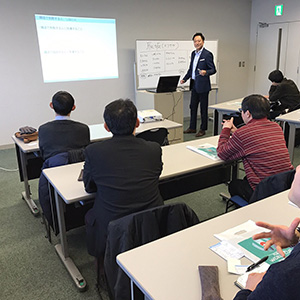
[[76, 48]]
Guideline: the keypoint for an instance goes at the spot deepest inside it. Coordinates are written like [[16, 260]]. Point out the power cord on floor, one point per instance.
[[9, 170], [175, 103]]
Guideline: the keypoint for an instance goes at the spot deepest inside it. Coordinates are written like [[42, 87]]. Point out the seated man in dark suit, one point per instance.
[[283, 93], [123, 170], [62, 134], [59, 137]]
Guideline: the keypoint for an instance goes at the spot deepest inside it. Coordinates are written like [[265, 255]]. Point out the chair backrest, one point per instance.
[[272, 185], [294, 101], [159, 135], [74, 217], [135, 230], [76, 155]]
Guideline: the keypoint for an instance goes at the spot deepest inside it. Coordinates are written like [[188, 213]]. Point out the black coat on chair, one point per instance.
[[135, 230]]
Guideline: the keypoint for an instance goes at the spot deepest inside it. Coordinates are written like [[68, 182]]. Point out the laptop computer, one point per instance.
[[166, 84]]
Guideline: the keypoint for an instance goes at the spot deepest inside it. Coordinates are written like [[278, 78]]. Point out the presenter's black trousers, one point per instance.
[[197, 98]]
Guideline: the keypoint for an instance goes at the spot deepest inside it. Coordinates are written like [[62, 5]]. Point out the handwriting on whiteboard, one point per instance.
[[160, 57], [154, 46]]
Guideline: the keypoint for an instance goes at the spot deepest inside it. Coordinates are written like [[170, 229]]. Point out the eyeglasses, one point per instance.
[[240, 109]]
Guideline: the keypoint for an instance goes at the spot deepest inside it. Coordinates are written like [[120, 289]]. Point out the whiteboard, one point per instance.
[[161, 58]]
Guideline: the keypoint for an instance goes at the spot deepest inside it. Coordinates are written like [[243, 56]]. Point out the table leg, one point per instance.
[[131, 289], [27, 194], [220, 120], [216, 122], [62, 249], [291, 141], [235, 170]]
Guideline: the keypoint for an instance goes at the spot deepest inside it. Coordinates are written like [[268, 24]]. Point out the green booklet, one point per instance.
[[206, 149], [256, 247]]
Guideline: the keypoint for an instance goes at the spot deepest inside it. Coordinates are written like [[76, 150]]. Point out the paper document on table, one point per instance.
[[238, 103], [234, 266], [207, 150], [241, 231], [226, 250]]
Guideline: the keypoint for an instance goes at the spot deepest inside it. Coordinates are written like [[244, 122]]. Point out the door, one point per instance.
[[292, 54], [271, 46]]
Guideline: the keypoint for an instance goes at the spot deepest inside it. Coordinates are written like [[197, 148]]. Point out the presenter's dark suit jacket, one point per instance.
[[61, 136], [281, 281], [205, 62], [124, 171]]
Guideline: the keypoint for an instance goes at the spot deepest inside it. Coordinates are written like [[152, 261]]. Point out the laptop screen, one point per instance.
[[167, 84]]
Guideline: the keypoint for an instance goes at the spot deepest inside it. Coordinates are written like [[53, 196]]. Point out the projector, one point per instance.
[[149, 115]]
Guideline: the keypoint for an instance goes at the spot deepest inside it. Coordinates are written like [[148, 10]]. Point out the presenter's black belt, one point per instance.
[[192, 84]]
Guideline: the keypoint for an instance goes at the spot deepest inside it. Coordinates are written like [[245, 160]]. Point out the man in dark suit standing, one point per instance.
[[201, 67], [123, 171]]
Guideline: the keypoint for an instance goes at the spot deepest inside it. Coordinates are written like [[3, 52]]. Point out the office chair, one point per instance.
[[138, 229], [159, 135], [74, 213], [267, 187]]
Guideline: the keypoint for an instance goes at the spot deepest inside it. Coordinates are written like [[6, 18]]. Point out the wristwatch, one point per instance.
[[297, 232]]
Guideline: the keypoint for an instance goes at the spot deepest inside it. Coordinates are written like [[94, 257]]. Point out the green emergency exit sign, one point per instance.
[[279, 10]]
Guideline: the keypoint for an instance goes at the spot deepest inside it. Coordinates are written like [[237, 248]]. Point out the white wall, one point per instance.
[[263, 11], [24, 98]]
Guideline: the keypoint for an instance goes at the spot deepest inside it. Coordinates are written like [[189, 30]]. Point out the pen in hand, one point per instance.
[[251, 267]]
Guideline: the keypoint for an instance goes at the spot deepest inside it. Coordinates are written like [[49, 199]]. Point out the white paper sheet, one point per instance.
[[226, 250]]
